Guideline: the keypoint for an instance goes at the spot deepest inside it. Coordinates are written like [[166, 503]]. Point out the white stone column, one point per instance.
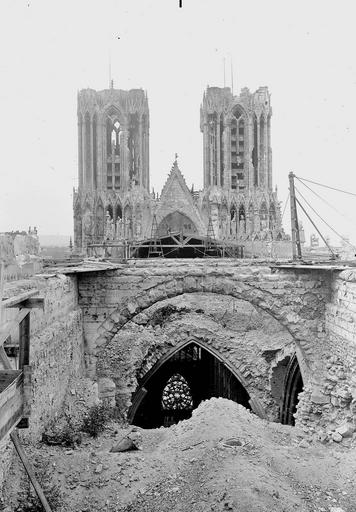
[[91, 153], [269, 153], [80, 151], [227, 155], [217, 131], [140, 152], [84, 159], [124, 161], [206, 156], [258, 156], [265, 154], [103, 154]]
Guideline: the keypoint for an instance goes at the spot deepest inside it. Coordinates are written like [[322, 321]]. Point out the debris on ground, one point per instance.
[[222, 458]]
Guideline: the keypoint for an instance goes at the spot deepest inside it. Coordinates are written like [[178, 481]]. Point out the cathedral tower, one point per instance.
[[236, 139], [113, 165], [238, 197]]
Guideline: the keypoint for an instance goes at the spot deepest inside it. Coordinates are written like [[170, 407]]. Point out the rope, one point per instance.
[[326, 186], [326, 202], [332, 229], [285, 206]]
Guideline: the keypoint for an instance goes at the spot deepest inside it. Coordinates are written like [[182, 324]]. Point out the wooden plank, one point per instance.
[[27, 397], [4, 359], [11, 405], [33, 303], [30, 471], [17, 299], [24, 339], [6, 331], [7, 377]]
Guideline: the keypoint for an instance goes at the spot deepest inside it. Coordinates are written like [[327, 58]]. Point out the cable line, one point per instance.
[[326, 202], [324, 240], [326, 186], [332, 229], [285, 206]]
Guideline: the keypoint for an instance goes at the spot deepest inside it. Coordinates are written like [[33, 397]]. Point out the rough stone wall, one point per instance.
[[336, 396], [56, 355]]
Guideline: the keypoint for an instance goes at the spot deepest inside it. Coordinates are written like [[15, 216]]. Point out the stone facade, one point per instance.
[[113, 202], [113, 166]]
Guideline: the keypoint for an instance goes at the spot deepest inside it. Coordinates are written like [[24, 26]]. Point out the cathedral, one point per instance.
[[114, 204]]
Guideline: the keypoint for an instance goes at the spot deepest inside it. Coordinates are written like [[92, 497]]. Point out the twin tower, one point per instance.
[[113, 201]]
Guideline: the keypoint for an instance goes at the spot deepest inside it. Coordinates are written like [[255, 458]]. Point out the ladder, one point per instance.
[[155, 248]]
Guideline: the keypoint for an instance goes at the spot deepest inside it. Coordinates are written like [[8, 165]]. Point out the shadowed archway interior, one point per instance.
[[293, 385], [175, 386]]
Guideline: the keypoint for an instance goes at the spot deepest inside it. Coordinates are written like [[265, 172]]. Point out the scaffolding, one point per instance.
[[155, 246]]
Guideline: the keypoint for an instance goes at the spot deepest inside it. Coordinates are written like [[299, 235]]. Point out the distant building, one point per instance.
[[113, 201]]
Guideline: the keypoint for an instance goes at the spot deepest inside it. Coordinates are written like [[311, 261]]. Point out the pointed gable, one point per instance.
[[176, 197]]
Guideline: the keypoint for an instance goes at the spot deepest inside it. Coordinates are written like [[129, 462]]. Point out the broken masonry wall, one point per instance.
[[340, 380], [56, 355], [244, 336], [330, 403]]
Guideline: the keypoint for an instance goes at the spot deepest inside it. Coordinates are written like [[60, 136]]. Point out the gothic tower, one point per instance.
[[237, 159], [113, 166]]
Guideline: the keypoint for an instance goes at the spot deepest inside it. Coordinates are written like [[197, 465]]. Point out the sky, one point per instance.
[[302, 50]]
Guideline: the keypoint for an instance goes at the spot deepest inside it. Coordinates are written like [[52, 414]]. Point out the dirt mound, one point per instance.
[[223, 458]]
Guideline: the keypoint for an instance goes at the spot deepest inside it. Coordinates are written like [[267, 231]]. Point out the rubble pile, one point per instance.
[[223, 458]]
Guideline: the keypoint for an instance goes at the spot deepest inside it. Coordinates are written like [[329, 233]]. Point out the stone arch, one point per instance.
[[141, 391], [298, 326], [176, 221]]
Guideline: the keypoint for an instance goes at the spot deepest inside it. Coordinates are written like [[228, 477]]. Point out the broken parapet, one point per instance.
[[20, 254]]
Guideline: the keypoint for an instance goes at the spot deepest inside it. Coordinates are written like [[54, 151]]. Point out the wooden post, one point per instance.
[[296, 247], [24, 362], [30, 471], [24, 339]]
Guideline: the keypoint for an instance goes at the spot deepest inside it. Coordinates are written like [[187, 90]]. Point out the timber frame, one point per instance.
[[15, 384]]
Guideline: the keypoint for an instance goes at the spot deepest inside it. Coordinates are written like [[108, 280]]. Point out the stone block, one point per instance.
[[319, 398], [336, 437], [346, 430]]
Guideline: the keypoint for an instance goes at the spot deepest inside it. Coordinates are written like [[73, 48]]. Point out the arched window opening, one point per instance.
[[118, 212], [293, 386], [255, 152], [233, 220], [262, 148], [237, 141], [177, 400], [109, 130], [221, 152], [242, 218], [99, 223], [251, 218], [128, 222], [88, 152], [263, 215], [109, 209], [133, 138], [272, 216], [212, 124], [176, 385]]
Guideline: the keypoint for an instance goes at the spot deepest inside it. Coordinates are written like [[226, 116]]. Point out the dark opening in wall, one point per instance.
[[293, 385], [175, 386]]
